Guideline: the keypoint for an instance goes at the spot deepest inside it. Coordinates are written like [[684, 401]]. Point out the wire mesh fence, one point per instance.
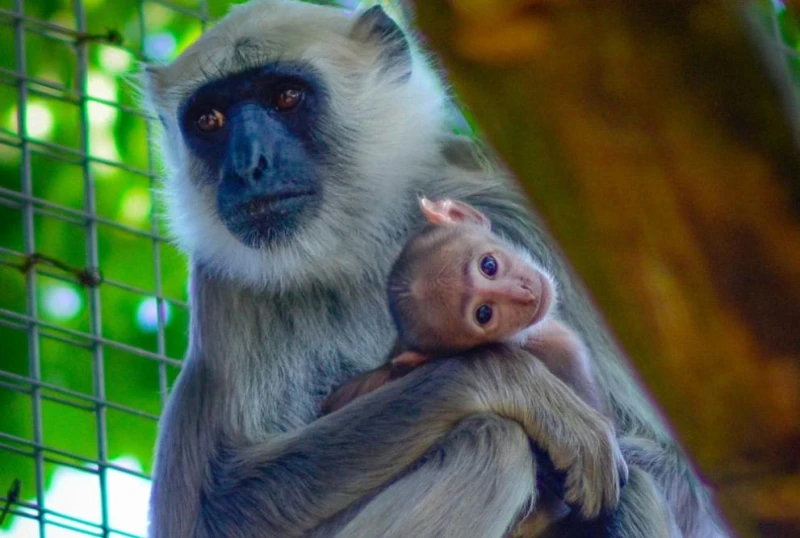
[[93, 312]]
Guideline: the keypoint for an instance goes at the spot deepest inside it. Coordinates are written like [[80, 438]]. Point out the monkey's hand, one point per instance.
[[596, 471], [580, 441], [369, 381], [356, 387]]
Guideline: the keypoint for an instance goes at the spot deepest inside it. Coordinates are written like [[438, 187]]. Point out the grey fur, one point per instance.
[[241, 452]]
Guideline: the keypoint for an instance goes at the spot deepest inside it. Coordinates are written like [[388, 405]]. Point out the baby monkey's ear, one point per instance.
[[449, 211]]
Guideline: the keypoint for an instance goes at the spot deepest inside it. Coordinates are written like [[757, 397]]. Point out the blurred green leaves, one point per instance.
[[112, 330], [782, 25]]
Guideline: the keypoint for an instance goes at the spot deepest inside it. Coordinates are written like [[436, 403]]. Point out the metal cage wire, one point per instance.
[[28, 386], [29, 500]]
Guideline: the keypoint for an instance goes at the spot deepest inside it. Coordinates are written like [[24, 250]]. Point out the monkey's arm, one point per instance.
[[299, 479], [566, 356]]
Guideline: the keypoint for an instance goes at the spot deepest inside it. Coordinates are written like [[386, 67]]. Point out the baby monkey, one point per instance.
[[455, 286]]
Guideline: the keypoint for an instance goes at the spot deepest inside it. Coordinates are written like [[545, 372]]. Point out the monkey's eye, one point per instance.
[[488, 265], [483, 314], [210, 121], [288, 98]]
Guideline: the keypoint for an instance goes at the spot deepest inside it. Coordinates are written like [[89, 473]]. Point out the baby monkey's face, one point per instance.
[[485, 290], [503, 291], [475, 288]]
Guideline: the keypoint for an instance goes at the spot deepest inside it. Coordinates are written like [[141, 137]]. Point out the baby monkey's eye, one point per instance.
[[488, 265], [483, 314], [210, 121]]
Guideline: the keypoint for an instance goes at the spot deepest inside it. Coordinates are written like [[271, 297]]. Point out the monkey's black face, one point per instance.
[[259, 134]]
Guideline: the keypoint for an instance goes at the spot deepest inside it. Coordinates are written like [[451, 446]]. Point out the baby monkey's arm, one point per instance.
[[367, 382]]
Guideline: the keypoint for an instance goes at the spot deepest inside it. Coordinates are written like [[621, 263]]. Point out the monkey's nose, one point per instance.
[[520, 292], [259, 168], [251, 172]]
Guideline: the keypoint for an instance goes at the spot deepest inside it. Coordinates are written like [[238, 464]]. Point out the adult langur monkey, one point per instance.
[[296, 139]]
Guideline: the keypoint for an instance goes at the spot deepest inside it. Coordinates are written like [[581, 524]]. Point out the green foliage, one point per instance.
[[783, 26], [119, 175]]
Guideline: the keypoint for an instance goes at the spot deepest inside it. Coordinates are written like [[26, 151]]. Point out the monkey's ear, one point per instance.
[[375, 27], [449, 211]]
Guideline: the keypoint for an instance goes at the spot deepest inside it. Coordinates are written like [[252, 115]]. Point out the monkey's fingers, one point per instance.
[[355, 388], [409, 359], [597, 475]]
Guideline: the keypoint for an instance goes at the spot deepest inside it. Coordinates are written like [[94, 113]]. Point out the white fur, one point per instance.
[[395, 122]]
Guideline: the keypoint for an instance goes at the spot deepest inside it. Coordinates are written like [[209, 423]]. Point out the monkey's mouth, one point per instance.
[[280, 203], [544, 303], [261, 220]]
